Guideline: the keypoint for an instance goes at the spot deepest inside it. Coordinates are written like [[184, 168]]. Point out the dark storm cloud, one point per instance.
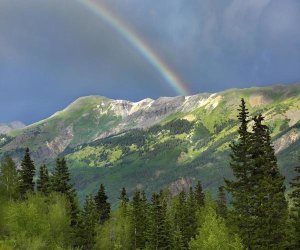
[[53, 51]]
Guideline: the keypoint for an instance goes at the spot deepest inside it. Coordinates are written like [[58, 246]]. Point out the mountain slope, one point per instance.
[[171, 141]]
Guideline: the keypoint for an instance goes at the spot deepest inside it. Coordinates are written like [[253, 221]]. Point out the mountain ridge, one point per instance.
[[166, 142]]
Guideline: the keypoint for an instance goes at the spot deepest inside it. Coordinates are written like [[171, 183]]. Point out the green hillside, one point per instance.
[[169, 142]]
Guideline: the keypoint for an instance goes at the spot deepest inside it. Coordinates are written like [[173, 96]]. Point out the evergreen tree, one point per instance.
[[181, 220], [178, 241], [295, 186], [159, 229], [241, 188], [61, 177], [27, 173], [139, 220], [221, 203], [199, 195], [8, 178], [60, 182], [269, 206], [260, 207], [87, 225], [295, 211], [123, 200], [43, 182], [191, 216], [103, 207]]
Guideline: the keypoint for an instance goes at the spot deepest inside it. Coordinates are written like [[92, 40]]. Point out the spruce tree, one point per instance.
[[60, 182], [123, 198], [89, 219], [199, 195], [269, 206], [295, 211], [9, 178], [221, 203], [61, 177], [178, 242], [295, 186], [191, 216], [27, 173], [43, 182], [181, 220], [241, 187], [103, 207], [159, 228], [139, 220]]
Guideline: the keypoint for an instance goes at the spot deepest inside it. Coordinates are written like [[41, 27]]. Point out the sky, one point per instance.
[[54, 51]]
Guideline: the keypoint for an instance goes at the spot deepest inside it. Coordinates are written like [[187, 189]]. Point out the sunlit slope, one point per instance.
[[188, 146]]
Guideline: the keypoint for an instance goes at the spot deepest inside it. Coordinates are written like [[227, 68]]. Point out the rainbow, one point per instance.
[[138, 43]]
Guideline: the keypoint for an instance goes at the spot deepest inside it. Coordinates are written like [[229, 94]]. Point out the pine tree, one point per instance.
[[178, 242], [139, 219], [295, 186], [43, 182], [269, 206], [123, 198], [241, 188], [199, 195], [89, 219], [123, 203], [181, 220], [61, 177], [60, 182], [221, 203], [9, 178], [191, 218], [103, 207], [295, 211], [159, 229], [27, 173], [260, 207]]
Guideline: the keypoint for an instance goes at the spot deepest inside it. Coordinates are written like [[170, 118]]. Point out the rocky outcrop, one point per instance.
[[293, 115], [181, 184], [53, 148], [286, 140], [259, 99]]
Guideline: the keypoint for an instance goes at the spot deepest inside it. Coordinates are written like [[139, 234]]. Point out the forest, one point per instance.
[[39, 207]]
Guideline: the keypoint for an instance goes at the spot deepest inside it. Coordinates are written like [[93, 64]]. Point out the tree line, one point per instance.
[[41, 211]]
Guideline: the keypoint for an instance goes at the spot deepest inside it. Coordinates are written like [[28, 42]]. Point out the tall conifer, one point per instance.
[[181, 219], [159, 228], [43, 182], [139, 220], [61, 177], [221, 203], [295, 211], [199, 195], [103, 207], [27, 173], [60, 182], [89, 219], [191, 216], [269, 206], [241, 188]]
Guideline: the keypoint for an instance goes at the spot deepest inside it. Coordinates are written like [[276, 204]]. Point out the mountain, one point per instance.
[[9, 127], [169, 142]]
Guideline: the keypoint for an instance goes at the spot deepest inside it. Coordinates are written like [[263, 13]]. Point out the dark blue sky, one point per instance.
[[53, 51]]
